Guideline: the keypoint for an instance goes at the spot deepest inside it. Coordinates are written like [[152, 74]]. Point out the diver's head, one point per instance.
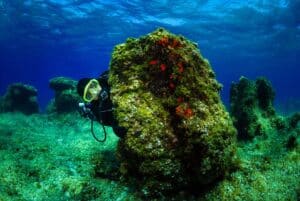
[[88, 89]]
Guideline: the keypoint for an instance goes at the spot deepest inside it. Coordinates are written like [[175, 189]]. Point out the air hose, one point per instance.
[[92, 131]]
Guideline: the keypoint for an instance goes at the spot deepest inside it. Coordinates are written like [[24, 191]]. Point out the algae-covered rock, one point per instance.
[[20, 98], [66, 98], [253, 111], [165, 94], [252, 108]]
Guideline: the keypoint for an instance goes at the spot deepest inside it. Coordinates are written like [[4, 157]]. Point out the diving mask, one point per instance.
[[91, 91]]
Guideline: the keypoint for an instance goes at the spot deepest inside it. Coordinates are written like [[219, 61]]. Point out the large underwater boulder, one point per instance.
[[179, 134], [20, 97], [66, 98]]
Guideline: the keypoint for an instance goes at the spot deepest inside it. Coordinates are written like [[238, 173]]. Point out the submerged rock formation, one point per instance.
[[253, 112], [66, 98], [179, 134], [20, 98], [252, 107]]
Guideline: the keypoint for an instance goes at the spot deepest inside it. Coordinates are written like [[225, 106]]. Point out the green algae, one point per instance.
[[268, 171], [55, 158]]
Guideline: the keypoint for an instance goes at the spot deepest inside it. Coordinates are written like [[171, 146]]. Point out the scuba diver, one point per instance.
[[97, 105]]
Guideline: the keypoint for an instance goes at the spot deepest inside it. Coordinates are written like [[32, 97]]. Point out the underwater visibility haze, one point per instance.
[[43, 39], [203, 96]]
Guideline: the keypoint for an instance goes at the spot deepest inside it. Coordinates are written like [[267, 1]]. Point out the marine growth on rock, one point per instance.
[[66, 98], [165, 94], [20, 97], [252, 108]]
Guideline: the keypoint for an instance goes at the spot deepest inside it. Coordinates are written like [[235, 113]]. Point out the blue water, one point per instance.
[[41, 39]]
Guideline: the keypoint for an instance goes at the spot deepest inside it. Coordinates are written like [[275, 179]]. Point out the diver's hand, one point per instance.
[[103, 95], [85, 111]]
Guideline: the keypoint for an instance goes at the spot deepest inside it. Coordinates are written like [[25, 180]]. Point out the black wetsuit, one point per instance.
[[103, 107]]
